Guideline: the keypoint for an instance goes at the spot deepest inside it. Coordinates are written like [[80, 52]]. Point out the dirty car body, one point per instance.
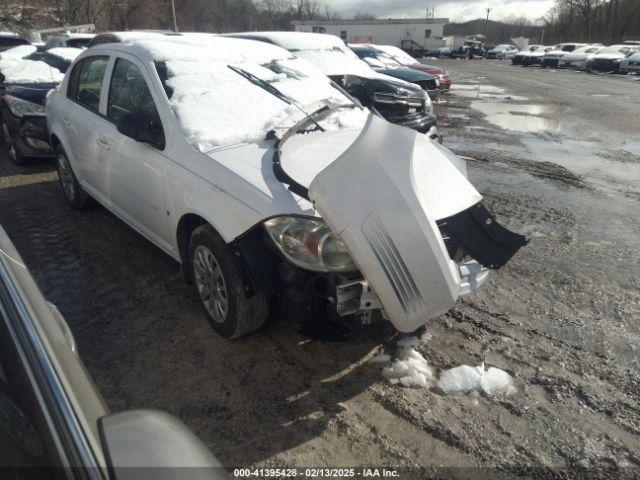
[[330, 209]]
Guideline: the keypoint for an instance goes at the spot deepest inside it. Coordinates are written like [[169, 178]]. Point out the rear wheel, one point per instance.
[[75, 195], [232, 309]]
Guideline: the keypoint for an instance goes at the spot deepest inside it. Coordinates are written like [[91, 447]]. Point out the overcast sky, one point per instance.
[[455, 10]]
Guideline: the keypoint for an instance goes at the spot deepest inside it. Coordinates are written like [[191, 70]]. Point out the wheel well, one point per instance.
[[188, 223], [54, 141]]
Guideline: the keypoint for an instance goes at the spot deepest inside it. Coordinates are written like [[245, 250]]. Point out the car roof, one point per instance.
[[295, 40]]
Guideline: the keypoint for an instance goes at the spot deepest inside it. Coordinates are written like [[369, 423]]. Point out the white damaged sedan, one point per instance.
[[268, 183]]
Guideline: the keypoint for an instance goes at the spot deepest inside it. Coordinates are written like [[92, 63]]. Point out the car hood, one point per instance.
[[608, 56], [303, 157], [34, 93], [577, 56], [407, 74]]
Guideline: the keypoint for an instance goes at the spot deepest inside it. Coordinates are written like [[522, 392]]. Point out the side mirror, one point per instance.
[[150, 444], [138, 126]]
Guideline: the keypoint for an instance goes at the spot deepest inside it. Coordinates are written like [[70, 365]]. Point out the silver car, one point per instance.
[[55, 423]]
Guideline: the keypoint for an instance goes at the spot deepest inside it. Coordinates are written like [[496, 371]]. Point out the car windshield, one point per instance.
[[616, 49], [17, 66], [238, 96], [586, 50], [399, 54], [58, 63], [78, 42], [335, 61], [387, 60]]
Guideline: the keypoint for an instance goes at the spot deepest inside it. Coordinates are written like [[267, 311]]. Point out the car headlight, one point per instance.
[[20, 107], [437, 82], [309, 244]]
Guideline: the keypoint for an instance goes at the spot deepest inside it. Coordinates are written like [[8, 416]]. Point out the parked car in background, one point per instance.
[[54, 422], [469, 49], [443, 52], [26, 76], [386, 64], [9, 40], [396, 100], [75, 40], [631, 64], [501, 52], [290, 193], [518, 57], [535, 57], [577, 59], [407, 60], [609, 58], [552, 57]]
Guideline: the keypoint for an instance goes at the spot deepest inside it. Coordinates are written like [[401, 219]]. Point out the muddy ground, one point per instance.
[[557, 156]]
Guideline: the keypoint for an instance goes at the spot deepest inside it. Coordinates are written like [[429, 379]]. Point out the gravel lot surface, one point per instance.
[[557, 156]]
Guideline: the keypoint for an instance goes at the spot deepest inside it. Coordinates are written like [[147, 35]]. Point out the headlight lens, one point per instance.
[[309, 244], [20, 107]]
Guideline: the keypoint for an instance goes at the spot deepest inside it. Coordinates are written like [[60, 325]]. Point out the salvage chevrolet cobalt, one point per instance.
[[267, 182]]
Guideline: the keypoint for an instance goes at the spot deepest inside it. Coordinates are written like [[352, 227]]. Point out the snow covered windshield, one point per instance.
[[397, 53], [226, 91]]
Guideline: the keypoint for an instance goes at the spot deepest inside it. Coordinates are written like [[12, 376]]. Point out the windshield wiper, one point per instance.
[[273, 91]]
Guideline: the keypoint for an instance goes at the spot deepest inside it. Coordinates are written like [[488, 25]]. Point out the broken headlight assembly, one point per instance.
[[309, 244], [20, 107]]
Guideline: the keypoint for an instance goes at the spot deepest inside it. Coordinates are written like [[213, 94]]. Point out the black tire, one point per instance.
[[73, 192], [9, 141], [245, 313]]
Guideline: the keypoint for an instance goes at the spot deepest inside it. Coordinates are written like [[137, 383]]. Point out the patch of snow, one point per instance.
[[409, 368], [17, 53], [66, 53], [380, 358], [29, 71], [466, 379], [397, 53]]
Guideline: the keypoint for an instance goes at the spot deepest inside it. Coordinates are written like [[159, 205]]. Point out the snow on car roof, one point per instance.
[[66, 53], [18, 52], [216, 105]]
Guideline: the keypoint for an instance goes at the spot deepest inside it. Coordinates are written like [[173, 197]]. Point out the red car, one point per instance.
[[407, 60]]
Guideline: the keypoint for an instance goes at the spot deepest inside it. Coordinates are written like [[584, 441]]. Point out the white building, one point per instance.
[[425, 32]]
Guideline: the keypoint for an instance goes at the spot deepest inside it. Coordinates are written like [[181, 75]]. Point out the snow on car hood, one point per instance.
[[609, 56], [216, 105]]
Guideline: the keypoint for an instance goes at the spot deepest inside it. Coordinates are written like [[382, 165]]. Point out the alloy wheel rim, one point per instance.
[[66, 177], [210, 283]]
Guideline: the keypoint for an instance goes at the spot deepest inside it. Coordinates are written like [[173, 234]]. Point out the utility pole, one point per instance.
[[486, 25], [173, 11]]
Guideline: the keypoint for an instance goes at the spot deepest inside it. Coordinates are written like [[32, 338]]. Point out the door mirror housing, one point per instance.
[[150, 444], [139, 127]]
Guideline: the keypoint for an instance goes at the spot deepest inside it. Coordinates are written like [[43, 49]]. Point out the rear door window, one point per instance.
[[85, 82]]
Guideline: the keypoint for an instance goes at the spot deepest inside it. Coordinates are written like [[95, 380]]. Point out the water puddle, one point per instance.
[[517, 117], [488, 92]]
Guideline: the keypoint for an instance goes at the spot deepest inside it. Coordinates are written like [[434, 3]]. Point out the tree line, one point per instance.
[[604, 21]]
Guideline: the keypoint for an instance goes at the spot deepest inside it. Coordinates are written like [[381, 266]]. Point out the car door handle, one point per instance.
[[103, 143]]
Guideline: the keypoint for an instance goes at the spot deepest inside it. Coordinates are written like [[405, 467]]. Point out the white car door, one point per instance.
[[83, 124], [137, 188]]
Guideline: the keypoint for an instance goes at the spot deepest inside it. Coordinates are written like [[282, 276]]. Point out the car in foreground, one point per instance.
[[26, 76], [387, 65], [608, 59], [577, 60], [631, 64], [291, 194], [407, 60], [552, 57], [518, 57], [501, 52], [54, 422], [535, 57], [396, 100], [73, 40]]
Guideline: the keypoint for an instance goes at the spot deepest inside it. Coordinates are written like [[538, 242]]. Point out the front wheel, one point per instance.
[[75, 195], [232, 309]]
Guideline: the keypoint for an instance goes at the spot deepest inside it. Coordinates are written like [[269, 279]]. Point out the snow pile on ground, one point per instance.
[[466, 379], [216, 105], [409, 368]]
